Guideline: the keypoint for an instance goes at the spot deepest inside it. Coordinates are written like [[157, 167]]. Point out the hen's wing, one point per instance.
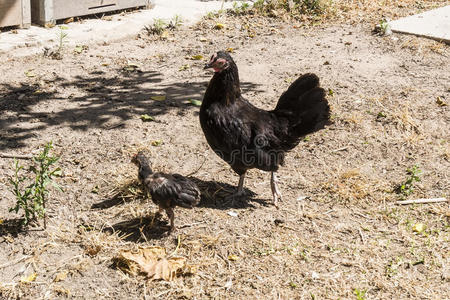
[[244, 136]]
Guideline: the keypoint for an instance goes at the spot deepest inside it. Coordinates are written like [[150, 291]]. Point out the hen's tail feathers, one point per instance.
[[290, 98], [304, 106]]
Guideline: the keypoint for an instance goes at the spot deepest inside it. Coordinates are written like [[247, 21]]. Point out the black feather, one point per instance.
[[167, 190], [248, 137]]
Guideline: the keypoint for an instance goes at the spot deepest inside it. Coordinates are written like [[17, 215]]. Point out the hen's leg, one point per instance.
[[240, 190], [171, 216], [275, 190]]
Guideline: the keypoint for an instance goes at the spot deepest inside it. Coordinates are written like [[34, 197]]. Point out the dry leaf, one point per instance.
[[151, 261], [30, 73], [93, 250], [195, 102], [164, 35], [29, 278], [131, 67], [61, 276], [147, 118], [233, 257], [197, 57], [183, 67], [440, 102], [419, 227], [61, 290], [165, 269], [158, 98], [219, 26]]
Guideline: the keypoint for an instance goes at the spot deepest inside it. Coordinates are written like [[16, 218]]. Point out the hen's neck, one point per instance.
[[224, 86]]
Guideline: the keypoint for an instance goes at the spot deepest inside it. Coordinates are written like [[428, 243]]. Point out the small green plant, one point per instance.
[[407, 187], [158, 27], [383, 27], [293, 7], [176, 22], [360, 294], [32, 199], [62, 36], [313, 6], [240, 9], [211, 15], [56, 52], [259, 5]]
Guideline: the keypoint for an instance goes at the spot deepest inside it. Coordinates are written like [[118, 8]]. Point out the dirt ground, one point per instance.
[[338, 233]]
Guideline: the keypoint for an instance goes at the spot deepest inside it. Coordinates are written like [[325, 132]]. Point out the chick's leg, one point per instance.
[[275, 190], [156, 215], [171, 216]]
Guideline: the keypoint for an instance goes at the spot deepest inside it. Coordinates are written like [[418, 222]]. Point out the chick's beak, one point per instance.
[[207, 66]]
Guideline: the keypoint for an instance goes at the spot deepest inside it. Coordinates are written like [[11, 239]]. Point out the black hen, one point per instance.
[[167, 190], [247, 137]]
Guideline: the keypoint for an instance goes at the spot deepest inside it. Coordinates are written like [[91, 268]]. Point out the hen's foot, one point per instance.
[[276, 194]]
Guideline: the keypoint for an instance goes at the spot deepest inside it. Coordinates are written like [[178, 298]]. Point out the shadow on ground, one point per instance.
[[155, 226], [15, 226], [92, 101]]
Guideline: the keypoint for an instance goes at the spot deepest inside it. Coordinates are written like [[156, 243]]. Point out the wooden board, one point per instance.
[[49, 11], [15, 13]]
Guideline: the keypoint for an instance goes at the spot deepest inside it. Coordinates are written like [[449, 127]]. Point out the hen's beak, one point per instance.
[[207, 66]]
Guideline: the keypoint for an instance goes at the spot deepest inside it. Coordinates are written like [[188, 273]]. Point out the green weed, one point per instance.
[[407, 187], [32, 198], [360, 294], [157, 28]]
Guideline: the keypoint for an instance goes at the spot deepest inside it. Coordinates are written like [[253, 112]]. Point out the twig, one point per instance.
[[361, 236], [341, 149], [287, 227], [162, 293], [18, 156], [198, 169], [114, 125], [16, 261], [432, 200], [142, 233], [178, 246], [190, 225]]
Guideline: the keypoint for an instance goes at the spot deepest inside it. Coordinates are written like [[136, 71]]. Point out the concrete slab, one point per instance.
[[434, 24], [30, 41]]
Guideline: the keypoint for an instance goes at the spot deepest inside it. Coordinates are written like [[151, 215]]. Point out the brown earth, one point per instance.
[[338, 232]]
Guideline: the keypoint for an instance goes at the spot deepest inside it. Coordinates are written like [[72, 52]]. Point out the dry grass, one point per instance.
[[343, 235], [343, 10]]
